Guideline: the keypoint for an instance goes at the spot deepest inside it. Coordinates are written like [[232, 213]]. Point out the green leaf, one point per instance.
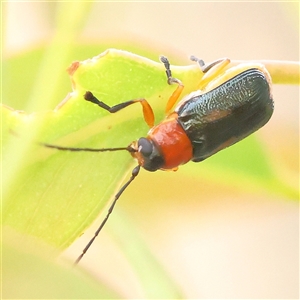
[[54, 195], [60, 192]]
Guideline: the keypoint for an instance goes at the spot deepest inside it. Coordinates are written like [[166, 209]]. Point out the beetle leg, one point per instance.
[[204, 68], [171, 80], [147, 110], [210, 71]]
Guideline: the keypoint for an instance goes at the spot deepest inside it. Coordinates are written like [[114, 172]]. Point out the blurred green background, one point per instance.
[[215, 238]]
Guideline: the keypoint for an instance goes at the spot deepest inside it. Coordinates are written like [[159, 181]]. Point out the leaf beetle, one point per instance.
[[230, 104]]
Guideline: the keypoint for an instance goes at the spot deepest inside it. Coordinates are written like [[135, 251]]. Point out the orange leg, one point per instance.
[[147, 110], [218, 72], [176, 94], [211, 71]]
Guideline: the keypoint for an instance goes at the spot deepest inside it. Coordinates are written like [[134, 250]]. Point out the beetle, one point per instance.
[[230, 104]]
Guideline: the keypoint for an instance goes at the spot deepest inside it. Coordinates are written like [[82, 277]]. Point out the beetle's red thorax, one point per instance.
[[172, 141]]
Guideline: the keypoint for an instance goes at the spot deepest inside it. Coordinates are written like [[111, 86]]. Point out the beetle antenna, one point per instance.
[[134, 173], [129, 148]]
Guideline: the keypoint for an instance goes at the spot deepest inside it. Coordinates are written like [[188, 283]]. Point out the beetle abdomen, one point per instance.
[[227, 114]]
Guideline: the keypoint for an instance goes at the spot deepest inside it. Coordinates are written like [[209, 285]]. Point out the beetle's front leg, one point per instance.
[[147, 110]]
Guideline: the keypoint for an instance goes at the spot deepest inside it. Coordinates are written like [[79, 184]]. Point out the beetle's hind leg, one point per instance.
[[211, 71], [171, 80]]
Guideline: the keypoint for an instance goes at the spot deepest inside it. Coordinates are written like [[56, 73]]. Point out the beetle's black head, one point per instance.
[[147, 154]]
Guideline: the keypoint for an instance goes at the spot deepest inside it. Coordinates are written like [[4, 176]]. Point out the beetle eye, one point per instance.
[[145, 147]]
